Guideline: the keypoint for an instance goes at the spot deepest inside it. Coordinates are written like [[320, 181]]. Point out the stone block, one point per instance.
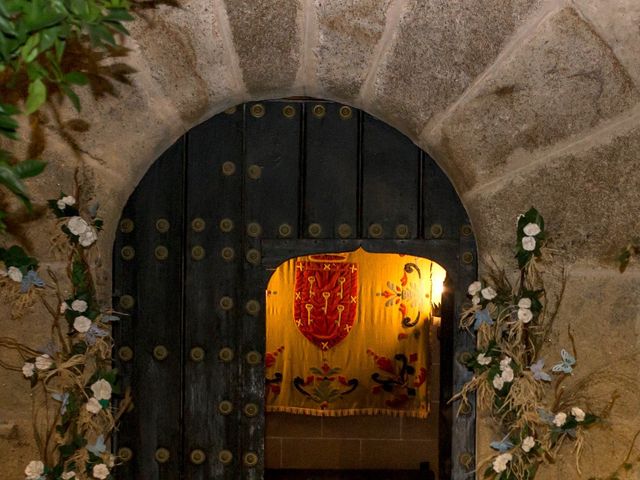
[[348, 34], [272, 452], [588, 198], [289, 425], [618, 26], [561, 82], [602, 307], [268, 43], [440, 47], [126, 130], [399, 454], [320, 453], [361, 426], [185, 53]]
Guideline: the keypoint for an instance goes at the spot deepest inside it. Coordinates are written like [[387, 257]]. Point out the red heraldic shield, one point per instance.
[[326, 299]]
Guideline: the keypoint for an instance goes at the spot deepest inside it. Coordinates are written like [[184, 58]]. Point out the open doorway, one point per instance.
[[214, 217], [353, 366]]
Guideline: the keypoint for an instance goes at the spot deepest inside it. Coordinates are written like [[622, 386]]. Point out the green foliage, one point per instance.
[[15, 256], [35, 36]]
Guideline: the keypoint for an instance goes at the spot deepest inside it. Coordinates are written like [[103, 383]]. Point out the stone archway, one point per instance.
[[521, 102]]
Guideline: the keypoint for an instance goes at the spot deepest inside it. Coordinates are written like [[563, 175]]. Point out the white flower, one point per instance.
[[64, 201], [82, 324], [79, 306], [483, 359], [77, 225], [524, 302], [88, 237], [498, 382], [489, 293], [15, 274], [529, 243], [111, 461], [28, 369], [578, 413], [507, 375], [93, 405], [474, 288], [560, 419], [528, 443], [475, 300], [68, 475], [44, 362], [505, 362], [101, 390], [34, 470], [525, 315], [100, 471], [500, 462], [531, 229], [63, 307]]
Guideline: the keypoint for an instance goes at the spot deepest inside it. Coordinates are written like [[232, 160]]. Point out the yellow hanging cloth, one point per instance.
[[348, 334]]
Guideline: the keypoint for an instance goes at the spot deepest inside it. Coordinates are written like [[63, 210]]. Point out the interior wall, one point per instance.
[[357, 442]]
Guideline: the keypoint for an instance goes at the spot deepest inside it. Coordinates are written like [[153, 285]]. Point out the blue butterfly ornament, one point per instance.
[[482, 316], [566, 366]]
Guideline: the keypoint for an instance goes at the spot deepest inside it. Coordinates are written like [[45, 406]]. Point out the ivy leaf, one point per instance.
[[118, 15], [75, 100], [37, 96], [30, 49], [10, 179], [29, 168], [76, 78]]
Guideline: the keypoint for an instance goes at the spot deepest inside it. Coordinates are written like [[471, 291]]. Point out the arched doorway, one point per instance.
[[199, 238]]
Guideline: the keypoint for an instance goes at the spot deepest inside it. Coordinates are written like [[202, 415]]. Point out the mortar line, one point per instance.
[[524, 33], [394, 15], [305, 75], [233, 59], [618, 126]]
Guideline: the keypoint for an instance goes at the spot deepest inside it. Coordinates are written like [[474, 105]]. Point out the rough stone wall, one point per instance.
[[521, 102]]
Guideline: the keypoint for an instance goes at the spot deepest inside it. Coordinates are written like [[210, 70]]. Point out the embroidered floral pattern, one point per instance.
[[399, 378], [325, 385]]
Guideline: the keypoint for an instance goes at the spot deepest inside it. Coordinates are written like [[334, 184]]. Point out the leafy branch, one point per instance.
[[39, 41]]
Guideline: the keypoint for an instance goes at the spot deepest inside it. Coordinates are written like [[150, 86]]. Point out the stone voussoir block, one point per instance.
[[439, 48], [186, 55], [348, 35], [563, 81], [619, 28], [588, 198], [268, 43]]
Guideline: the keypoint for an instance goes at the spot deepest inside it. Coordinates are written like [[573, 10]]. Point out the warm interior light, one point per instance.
[[348, 333]]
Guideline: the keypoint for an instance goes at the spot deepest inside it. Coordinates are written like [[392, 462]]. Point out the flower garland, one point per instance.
[[510, 379], [74, 369]]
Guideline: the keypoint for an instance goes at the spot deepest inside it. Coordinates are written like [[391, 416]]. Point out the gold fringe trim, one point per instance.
[[348, 412]]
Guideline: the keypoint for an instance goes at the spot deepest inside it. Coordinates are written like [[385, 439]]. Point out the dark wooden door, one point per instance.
[[198, 240]]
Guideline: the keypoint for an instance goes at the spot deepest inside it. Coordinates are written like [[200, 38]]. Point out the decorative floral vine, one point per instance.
[[512, 381], [72, 374]]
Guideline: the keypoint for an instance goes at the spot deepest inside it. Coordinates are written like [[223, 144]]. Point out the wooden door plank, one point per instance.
[[272, 166], [443, 215], [214, 225], [391, 180], [156, 319], [331, 170], [272, 144]]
